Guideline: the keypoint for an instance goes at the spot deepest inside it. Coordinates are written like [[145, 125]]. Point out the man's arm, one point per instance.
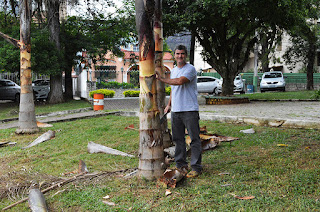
[[176, 81]]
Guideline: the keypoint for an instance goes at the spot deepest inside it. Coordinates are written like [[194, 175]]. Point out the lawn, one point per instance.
[[279, 178], [302, 95], [11, 110]]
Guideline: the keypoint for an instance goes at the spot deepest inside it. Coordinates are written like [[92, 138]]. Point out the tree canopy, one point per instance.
[[226, 29]]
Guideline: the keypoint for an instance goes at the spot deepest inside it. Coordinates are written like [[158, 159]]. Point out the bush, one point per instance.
[[114, 84], [131, 93], [316, 95], [105, 92], [168, 91]]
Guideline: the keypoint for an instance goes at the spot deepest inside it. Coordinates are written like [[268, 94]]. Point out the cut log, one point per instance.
[[98, 148], [37, 202], [44, 137]]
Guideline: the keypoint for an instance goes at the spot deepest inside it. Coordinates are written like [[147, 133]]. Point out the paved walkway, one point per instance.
[[291, 114]]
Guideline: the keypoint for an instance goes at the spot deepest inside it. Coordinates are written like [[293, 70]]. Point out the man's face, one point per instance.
[[180, 56]]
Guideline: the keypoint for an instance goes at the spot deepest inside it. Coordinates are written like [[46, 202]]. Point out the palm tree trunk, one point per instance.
[[151, 144], [27, 117]]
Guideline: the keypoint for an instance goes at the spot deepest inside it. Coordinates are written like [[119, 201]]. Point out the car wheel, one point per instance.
[[262, 91], [242, 92], [216, 92], [283, 89], [17, 98]]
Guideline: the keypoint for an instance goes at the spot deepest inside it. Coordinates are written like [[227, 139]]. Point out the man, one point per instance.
[[184, 106]]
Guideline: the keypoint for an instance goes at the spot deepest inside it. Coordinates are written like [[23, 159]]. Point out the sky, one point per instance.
[[100, 5]]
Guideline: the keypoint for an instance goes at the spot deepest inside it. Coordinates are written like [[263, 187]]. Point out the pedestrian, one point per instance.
[[184, 107]]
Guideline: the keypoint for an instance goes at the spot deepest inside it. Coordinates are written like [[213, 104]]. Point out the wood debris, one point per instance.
[[210, 141], [109, 203], [98, 148], [248, 131], [7, 143], [44, 137], [171, 177]]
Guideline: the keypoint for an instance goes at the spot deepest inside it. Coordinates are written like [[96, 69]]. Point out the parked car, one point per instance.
[[207, 84], [271, 81], [9, 90], [239, 85], [41, 89]]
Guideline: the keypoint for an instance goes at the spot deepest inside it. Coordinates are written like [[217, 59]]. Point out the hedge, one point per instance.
[[107, 93], [131, 93]]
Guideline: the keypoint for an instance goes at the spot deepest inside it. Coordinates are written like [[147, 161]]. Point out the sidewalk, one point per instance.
[[288, 114]]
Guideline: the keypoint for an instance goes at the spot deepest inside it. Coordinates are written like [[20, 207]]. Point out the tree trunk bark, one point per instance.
[[27, 117], [310, 65], [56, 93], [151, 145], [192, 47], [68, 95], [161, 94]]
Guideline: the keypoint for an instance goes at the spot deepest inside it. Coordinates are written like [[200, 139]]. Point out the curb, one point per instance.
[[262, 121]]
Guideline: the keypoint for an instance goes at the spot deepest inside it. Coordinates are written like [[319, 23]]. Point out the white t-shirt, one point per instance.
[[184, 97]]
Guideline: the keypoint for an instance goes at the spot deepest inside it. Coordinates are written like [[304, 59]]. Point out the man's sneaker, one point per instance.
[[193, 174], [183, 169]]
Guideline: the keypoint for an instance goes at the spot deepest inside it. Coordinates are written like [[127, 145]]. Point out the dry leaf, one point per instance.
[[224, 173], [168, 192], [283, 145], [243, 198], [106, 197]]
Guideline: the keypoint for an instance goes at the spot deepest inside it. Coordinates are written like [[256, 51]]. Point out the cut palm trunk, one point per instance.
[[151, 143], [37, 202], [44, 137], [98, 148]]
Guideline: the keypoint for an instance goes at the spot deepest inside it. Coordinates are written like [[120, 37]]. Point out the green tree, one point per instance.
[[226, 29]]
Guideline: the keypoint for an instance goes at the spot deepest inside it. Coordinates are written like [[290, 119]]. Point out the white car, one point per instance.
[[239, 85], [207, 84], [41, 89], [271, 81]]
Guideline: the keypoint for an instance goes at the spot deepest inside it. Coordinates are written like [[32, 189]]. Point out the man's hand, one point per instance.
[[158, 76], [167, 109]]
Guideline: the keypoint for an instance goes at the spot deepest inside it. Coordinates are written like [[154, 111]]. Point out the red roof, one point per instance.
[[127, 55]]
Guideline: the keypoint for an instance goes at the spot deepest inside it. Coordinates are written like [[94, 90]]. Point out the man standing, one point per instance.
[[184, 106]]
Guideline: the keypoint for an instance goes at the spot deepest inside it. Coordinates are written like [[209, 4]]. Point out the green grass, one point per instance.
[[11, 110], [302, 95], [280, 178]]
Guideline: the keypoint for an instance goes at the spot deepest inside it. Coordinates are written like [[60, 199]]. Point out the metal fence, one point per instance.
[[15, 76]]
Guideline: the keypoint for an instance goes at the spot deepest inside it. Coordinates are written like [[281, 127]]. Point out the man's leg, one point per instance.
[[191, 120], [178, 137]]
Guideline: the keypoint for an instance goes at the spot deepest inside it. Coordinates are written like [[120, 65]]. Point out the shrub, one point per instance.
[[114, 84], [131, 93], [105, 92], [168, 90]]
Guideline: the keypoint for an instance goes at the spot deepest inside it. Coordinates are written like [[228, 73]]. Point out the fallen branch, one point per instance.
[[64, 182]]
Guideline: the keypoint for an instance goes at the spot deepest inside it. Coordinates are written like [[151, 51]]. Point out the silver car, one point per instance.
[[271, 81], [207, 84], [9, 90], [239, 85]]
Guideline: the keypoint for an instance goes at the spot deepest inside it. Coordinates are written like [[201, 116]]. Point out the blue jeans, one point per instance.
[[180, 121]]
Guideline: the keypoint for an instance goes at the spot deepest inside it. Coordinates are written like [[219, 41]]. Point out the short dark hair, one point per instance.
[[181, 47]]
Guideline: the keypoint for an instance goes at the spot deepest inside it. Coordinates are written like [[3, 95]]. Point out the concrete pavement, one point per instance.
[[288, 114]]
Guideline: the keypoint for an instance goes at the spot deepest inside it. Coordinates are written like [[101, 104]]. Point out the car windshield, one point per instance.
[[273, 75], [40, 82]]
